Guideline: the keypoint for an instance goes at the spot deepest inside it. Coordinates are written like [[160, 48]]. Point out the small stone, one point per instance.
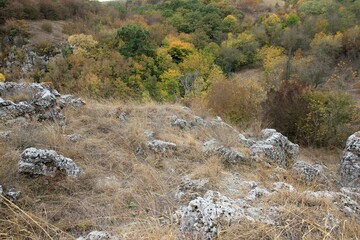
[[74, 137], [98, 235], [160, 146], [181, 123], [13, 195], [149, 134], [122, 117]]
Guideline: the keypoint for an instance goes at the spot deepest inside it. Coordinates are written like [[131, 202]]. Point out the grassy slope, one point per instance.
[[132, 195]]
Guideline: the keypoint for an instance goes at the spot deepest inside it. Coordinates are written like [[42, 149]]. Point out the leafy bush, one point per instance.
[[284, 108], [311, 117], [238, 100], [328, 122]]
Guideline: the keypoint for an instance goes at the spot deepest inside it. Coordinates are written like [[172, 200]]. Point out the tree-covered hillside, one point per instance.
[[307, 54]]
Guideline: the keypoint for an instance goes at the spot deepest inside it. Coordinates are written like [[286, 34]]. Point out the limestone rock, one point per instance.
[[34, 100], [176, 121], [202, 217], [98, 235], [13, 195], [47, 162], [274, 147], [191, 188], [150, 134], [70, 100], [350, 161], [73, 137], [122, 117], [282, 187], [257, 192], [160, 146], [212, 147], [198, 121], [308, 172]]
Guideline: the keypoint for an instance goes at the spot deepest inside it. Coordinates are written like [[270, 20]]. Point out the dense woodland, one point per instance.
[[306, 54]]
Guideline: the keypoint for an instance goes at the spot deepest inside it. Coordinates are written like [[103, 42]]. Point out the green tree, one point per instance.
[[134, 40]]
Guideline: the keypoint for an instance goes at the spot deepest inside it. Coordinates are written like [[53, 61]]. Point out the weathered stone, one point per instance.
[[122, 117], [186, 109], [191, 188], [176, 121], [13, 195], [74, 137], [308, 172], [159, 146], [70, 100], [212, 147], [350, 161], [245, 141], [40, 101], [98, 235], [282, 187], [203, 217], [257, 192], [274, 147], [198, 121], [149, 134], [47, 162]]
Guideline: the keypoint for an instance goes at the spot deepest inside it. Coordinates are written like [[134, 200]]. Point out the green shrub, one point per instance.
[[328, 122], [311, 117], [285, 107]]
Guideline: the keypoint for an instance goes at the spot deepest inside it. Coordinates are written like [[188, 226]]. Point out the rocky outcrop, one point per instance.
[[160, 146], [308, 172], [47, 163], [212, 147], [273, 147], [203, 217], [98, 235], [350, 161], [34, 100]]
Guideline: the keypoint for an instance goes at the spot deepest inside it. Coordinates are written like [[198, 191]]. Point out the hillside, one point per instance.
[[179, 119], [158, 171]]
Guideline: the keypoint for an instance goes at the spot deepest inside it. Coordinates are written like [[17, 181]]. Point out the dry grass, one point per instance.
[[130, 192]]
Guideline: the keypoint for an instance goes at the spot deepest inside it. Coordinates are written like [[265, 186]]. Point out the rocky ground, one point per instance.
[[104, 170]]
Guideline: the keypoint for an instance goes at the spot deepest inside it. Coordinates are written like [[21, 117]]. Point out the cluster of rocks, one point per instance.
[[41, 102], [47, 163], [203, 216]]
